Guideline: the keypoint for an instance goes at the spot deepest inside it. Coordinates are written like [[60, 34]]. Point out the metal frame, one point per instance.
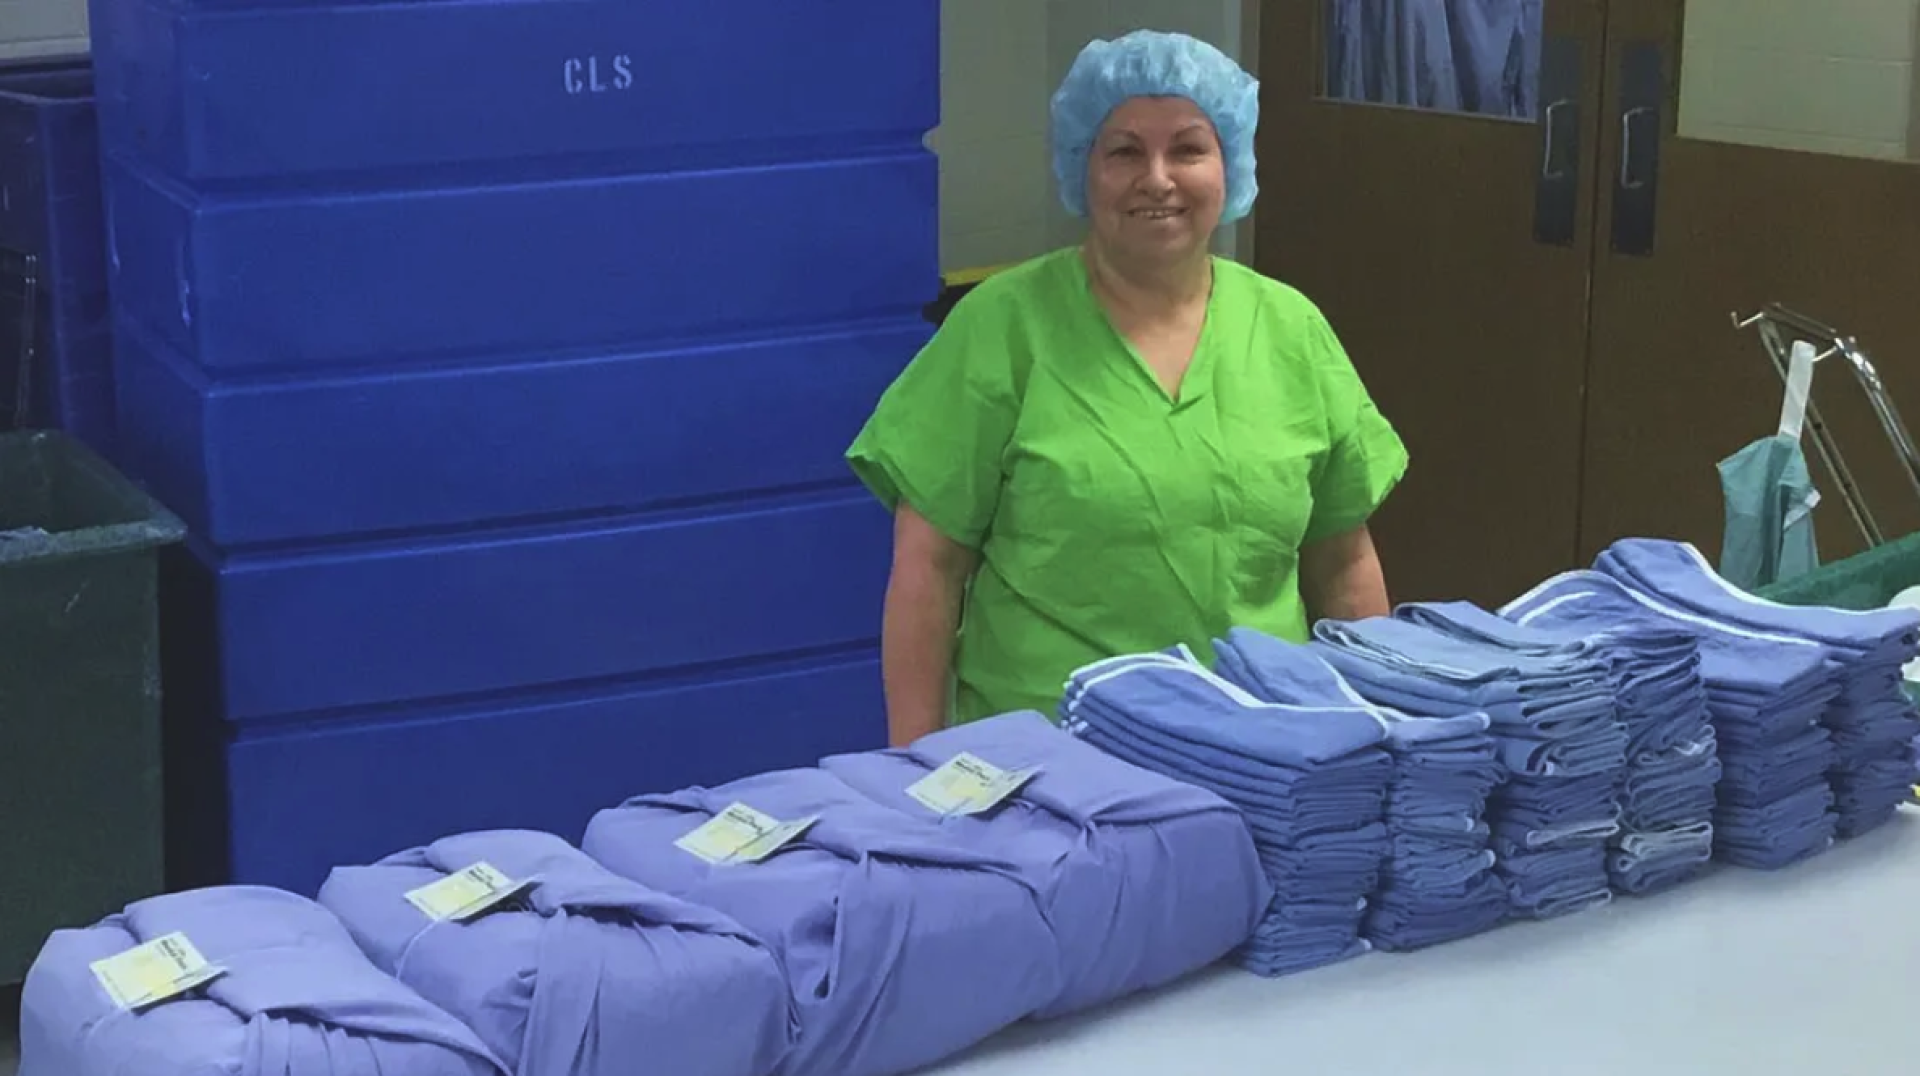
[[18, 265], [1774, 323]]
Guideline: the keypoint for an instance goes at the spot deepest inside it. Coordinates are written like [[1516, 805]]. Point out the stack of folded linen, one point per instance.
[[1311, 783], [1559, 737], [1438, 883], [1667, 797], [902, 945], [1873, 722], [581, 971], [1765, 696], [290, 994], [1145, 878]]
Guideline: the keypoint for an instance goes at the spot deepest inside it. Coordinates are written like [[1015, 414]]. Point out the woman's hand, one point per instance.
[[1341, 578], [919, 625]]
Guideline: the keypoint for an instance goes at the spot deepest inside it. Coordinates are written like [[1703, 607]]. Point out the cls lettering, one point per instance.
[[585, 76]]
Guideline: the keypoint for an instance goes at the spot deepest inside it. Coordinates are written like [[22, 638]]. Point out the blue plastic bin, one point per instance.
[[449, 447], [212, 91], [313, 282]]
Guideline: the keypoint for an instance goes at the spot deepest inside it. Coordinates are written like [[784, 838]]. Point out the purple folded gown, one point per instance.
[[298, 998], [1144, 879], [903, 945], [586, 974]]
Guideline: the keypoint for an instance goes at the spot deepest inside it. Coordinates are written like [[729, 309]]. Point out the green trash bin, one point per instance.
[[80, 788], [1864, 581]]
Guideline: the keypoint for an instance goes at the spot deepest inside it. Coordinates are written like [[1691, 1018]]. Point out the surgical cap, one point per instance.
[[1149, 63]]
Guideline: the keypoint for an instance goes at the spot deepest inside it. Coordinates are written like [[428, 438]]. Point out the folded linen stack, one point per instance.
[[1311, 783], [1765, 696], [1873, 721], [1667, 796], [1144, 878], [1437, 884], [1559, 739], [902, 945]]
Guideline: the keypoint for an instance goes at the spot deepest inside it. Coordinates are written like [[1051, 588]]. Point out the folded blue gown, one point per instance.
[[1672, 764], [297, 998], [1436, 884], [1554, 715], [1311, 783], [903, 945], [1872, 721], [1145, 879], [1766, 694], [587, 974]]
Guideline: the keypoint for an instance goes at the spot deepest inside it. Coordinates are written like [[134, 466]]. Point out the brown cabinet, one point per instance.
[[1535, 265]]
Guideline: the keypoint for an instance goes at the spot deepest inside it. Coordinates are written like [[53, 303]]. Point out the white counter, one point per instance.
[[1814, 971]]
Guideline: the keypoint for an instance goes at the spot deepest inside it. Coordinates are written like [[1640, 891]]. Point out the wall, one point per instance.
[[1000, 62], [1831, 76], [30, 29]]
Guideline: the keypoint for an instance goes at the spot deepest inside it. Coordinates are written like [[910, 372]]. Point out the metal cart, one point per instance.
[[1867, 580]]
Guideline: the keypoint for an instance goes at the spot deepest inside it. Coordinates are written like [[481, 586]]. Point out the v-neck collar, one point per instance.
[[1197, 381]]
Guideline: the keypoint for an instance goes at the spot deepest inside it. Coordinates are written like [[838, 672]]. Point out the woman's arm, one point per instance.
[[1341, 578], [919, 625]]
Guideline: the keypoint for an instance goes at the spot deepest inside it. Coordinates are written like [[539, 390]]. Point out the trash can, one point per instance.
[[1863, 581], [80, 782]]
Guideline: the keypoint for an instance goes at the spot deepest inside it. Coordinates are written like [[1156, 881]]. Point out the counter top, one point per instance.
[[1814, 971]]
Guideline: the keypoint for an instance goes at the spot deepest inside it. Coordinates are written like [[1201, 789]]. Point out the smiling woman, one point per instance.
[[1131, 443]]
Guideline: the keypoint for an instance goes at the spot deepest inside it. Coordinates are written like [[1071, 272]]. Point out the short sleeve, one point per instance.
[[1365, 459], [938, 435]]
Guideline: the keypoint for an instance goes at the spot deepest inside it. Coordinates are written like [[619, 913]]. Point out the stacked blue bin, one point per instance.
[[501, 356], [50, 209]]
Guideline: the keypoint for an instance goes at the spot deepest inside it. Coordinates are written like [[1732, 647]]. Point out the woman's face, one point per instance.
[[1156, 180]]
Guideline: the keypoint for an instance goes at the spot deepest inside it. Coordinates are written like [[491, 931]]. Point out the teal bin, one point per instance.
[[1864, 581], [80, 781]]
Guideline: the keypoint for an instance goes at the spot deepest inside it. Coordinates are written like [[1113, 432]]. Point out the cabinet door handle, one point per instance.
[[1636, 189], [1556, 199]]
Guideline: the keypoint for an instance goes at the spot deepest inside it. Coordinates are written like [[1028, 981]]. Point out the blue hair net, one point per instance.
[[1149, 63]]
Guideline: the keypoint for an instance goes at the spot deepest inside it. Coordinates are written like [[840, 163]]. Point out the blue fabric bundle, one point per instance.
[[1765, 697], [584, 973], [1667, 800], [296, 998], [1872, 722], [902, 944], [1311, 783], [1437, 884], [1559, 738], [1144, 878]]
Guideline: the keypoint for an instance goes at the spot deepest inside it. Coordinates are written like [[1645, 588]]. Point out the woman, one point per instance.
[[1129, 444]]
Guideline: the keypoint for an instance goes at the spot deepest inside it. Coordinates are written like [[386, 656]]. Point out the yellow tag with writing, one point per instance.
[[148, 974], [465, 894], [741, 834], [967, 785]]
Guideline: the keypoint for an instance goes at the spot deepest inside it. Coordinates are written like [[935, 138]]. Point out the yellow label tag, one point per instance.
[[967, 785], [741, 834], [163, 968], [465, 894]]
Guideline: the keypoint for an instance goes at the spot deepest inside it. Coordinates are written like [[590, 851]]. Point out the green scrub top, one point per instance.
[[1110, 517]]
